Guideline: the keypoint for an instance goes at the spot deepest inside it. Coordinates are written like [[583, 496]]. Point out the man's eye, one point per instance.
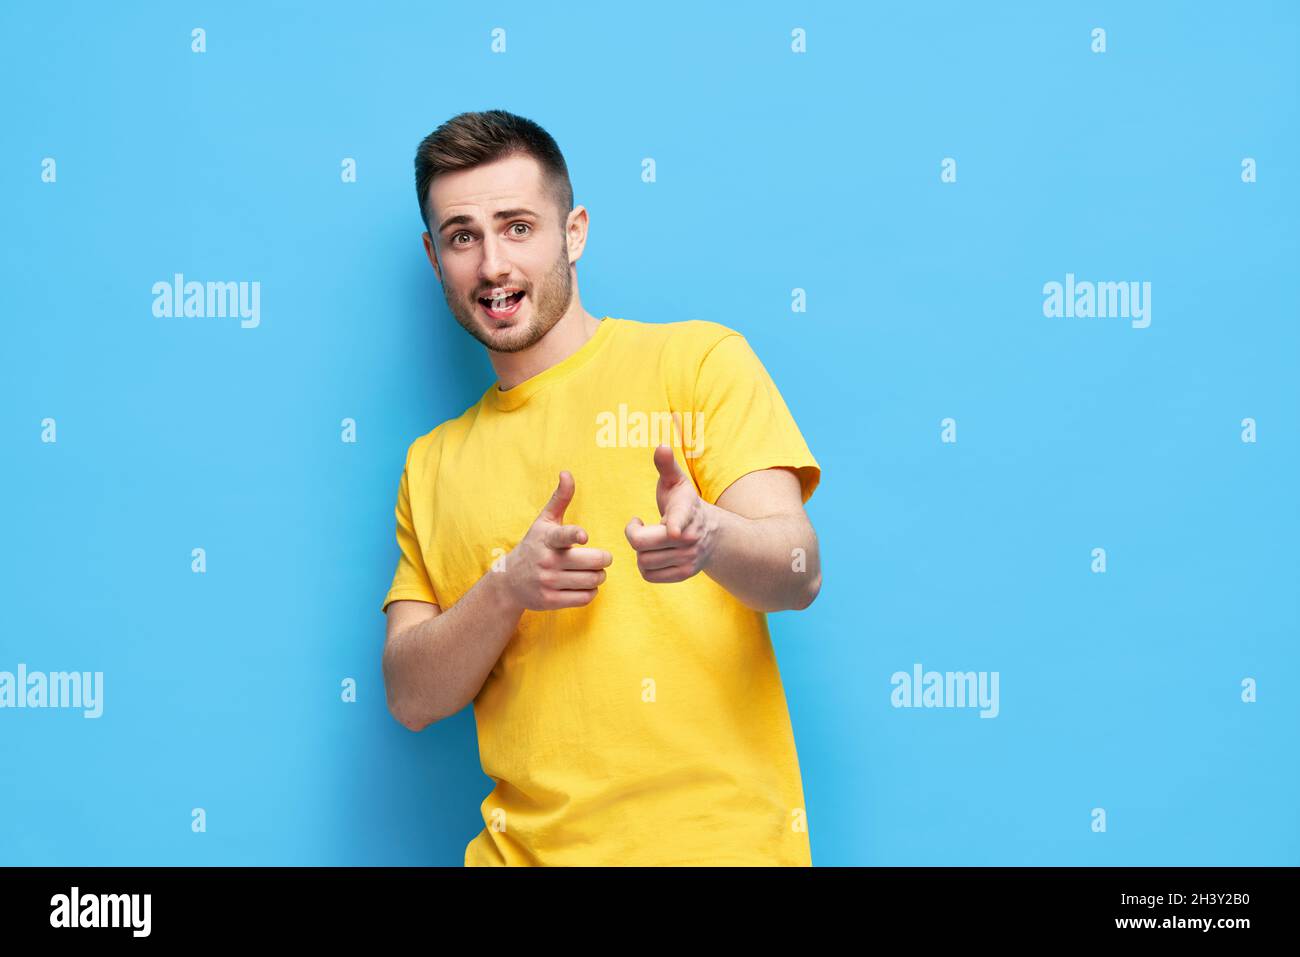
[[526, 227], [454, 237]]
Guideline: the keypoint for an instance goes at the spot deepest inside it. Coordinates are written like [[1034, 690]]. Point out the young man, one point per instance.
[[628, 702]]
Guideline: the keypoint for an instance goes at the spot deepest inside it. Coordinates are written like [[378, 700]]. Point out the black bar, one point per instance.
[[209, 905]]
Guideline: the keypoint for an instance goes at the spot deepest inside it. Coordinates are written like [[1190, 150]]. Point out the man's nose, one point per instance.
[[495, 262]]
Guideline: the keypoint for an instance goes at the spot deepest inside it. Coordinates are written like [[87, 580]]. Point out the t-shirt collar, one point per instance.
[[509, 399]]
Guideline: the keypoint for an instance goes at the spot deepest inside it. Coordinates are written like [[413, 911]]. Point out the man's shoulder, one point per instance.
[[428, 447], [687, 338]]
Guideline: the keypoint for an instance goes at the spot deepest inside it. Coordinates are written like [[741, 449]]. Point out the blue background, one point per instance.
[[775, 171]]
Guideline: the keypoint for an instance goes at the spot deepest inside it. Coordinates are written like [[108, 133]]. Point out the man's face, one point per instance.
[[494, 227]]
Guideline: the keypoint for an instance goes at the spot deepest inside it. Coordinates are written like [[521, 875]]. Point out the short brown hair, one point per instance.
[[472, 139]]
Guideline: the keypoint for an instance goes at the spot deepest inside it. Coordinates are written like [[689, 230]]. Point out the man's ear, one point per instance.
[[575, 232], [432, 254]]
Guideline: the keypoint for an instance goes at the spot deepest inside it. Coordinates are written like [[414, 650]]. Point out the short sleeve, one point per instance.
[[742, 423], [411, 580]]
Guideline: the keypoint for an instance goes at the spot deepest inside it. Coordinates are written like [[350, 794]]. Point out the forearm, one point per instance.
[[770, 564], [436, 667]]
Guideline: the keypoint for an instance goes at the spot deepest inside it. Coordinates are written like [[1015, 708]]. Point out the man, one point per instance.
[[628, 702]]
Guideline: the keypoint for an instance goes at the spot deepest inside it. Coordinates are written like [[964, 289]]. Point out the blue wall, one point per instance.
[[776, 170]]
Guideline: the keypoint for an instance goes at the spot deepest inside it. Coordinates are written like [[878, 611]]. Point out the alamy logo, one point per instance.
[[58, 689], [102, 910], [946, 689], [212, 300], [1100, 300], [642, 430]]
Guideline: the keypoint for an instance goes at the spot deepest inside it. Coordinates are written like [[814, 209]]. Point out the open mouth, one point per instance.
[[508, 306]]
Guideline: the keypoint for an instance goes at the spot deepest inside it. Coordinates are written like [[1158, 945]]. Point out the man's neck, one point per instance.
[[565, 338]]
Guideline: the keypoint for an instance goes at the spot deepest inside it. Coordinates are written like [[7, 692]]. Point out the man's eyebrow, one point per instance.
[[465, 220]]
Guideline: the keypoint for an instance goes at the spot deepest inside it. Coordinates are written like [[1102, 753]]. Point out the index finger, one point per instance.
[[586, 558], [562, 536], [649, 537]]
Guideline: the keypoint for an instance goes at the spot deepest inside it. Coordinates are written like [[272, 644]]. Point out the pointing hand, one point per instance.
[[547, 569], [682, 544]]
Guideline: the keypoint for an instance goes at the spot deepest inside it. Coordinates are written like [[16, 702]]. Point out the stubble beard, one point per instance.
[[546, 308]]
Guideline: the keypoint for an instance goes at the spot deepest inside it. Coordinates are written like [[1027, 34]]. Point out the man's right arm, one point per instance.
[[435, 661]]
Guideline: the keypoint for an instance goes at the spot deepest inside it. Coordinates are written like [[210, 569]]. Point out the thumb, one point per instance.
[[674, 520], [554, 509], [667, 465]]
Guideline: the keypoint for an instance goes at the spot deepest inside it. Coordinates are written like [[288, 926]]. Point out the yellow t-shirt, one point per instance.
[[649, 727]]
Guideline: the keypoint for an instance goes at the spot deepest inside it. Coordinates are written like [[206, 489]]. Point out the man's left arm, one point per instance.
[[756, 542]]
